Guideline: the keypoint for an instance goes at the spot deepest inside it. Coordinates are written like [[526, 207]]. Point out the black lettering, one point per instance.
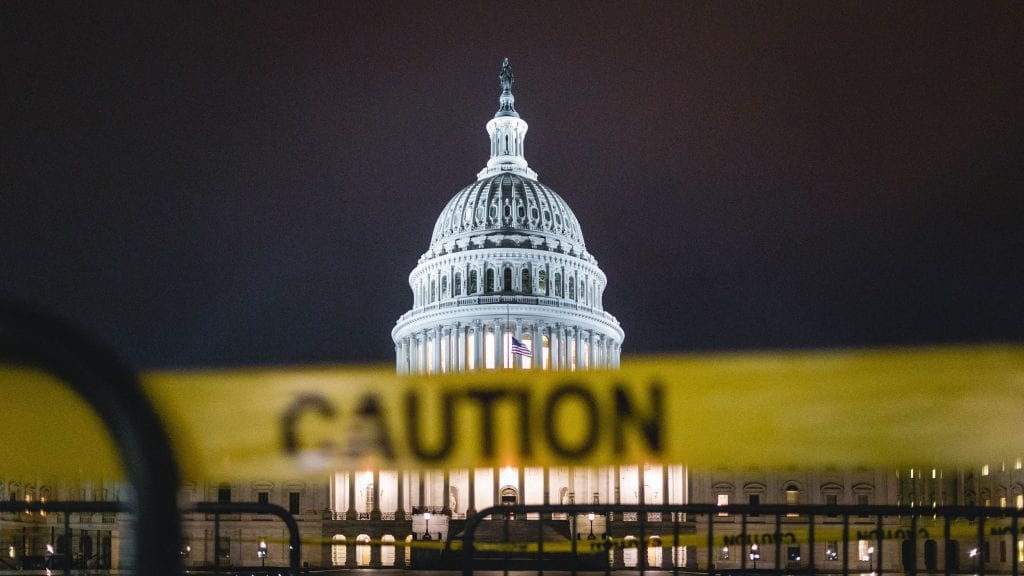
[[559, 447], [650, 424], [415, 439], [369, 431], [289, 422], [486, 399], [523, 400]]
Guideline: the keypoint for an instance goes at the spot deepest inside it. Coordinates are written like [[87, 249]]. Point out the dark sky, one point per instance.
[[227, 183]]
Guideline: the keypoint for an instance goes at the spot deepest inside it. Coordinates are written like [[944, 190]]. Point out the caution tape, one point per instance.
[[950, 406]]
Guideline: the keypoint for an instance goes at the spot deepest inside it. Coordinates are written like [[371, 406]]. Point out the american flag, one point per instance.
[[520, 348]]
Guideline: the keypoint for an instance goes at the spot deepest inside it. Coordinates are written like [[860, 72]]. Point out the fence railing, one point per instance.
[[764, 539]]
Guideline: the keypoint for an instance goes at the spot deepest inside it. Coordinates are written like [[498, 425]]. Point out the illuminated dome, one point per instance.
[[507, 209], [507, 282]]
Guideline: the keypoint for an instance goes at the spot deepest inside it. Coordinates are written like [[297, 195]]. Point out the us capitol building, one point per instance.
[[507, 283]]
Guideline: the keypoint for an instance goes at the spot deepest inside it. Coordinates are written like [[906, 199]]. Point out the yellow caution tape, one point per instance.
[[48, 433], [950, 406]]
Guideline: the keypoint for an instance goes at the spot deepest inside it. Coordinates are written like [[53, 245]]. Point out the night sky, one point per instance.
[[230, 183]]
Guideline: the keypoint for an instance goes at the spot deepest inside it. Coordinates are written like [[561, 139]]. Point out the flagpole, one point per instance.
[[508, 349]]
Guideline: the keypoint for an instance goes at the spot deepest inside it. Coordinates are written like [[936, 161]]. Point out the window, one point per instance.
[[831, 500], [542, 282], [489, 281], [864, 550], [832, 550], [754, 500], [793, 553], [792, 497], [457, 288], [572, 289], [444, 286], [723, 553], [339, 551], [862, 500], [224, 493], [433, 290], [507, 279], [293, 503], [526, 281], [224, 547], [472, 282], [558, 284], [723, 500], [263, 497]]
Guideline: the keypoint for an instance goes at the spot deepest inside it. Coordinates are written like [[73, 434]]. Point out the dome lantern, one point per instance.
[[508, 133]]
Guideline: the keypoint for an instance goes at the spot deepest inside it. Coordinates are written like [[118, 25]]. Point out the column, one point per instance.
[[593, 349], [563, 350], [437, 351], [517, 360], [350, 514], [538, 351], [375, 511], [499, 345], [422, 487], [496, 475], [400, 513], [570, 349], [579, 348], [521, 488], [458, 357], [478, 332], [555, 345], [446, 493]]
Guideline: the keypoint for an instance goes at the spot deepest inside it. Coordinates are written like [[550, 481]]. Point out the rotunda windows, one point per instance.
[[472, 282], [527, 281]]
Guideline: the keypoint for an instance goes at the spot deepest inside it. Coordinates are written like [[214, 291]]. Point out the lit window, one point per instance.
[[723, 500], [984, 470], [832, 550]]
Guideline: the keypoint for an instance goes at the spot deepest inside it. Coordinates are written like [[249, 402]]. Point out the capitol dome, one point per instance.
[[507, 282]]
